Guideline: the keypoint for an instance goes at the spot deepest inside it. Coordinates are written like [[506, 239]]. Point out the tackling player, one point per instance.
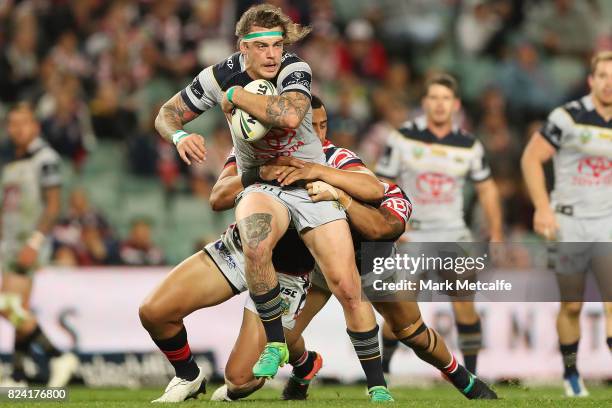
[[432, 159], [577, 137], [30, 196]]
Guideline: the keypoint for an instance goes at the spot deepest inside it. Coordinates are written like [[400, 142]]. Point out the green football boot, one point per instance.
[[274, 355]]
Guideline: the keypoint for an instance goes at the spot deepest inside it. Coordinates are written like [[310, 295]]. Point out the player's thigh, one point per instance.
[[571, 286], [261, 219], [19, 284], [398, 315], [249, 345], [194, 284], [332, 247]]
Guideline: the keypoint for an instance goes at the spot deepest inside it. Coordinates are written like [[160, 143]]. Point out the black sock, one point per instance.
[[21, 349], [304, 365], [40, 339], [457, 374], [389, 347], [177, 351], [569, 352], [368, 351], [470, 342], [270, 309]]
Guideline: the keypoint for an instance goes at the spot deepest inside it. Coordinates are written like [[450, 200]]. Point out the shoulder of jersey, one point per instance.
[[416, 131], [289, 58], [226, 69], [578, 110]]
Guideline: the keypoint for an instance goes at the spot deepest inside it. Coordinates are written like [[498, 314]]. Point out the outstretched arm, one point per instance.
[[172, 116]]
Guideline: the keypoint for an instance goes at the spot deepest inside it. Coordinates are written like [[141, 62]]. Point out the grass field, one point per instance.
[[341, 397]]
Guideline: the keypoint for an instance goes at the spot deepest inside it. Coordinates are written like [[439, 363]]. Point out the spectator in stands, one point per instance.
[[86, 232], [362, 54], [138, 249], [562, 27], [110, 118], [19, 62]]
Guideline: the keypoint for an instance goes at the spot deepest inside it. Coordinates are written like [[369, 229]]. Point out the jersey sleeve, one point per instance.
[[295, 76], [557, 125], [344, 159], [49, 169], [203, 93], [397, 203], [479, 166], [231, 159], [389, 164]]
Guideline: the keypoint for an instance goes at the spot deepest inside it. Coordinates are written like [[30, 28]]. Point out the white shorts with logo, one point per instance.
[[229, 259], [578, 241], [303, 212]]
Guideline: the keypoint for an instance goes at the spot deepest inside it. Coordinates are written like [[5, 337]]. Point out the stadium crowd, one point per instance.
[[97, 71]]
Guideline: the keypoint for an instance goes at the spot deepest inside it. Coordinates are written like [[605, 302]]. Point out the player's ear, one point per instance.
[[243, 47]]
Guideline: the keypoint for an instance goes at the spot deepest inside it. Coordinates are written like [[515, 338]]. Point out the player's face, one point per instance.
[[263, 56], [601, 83], [439, 104], [319, 123], [22, 127]]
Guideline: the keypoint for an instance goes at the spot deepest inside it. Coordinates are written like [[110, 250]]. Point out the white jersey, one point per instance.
[[294, 75], [433, 171], [22, 183], [583, 161]]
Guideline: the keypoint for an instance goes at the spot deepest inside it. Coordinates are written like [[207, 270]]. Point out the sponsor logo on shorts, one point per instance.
[[225, 254]]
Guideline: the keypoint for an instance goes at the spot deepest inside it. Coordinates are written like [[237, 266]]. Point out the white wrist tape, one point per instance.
[[321, 186]]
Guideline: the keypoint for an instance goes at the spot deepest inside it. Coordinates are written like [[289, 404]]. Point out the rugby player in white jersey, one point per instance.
[[431, 159], [382, 224], [578, 138], [264, 211], [30, 193]]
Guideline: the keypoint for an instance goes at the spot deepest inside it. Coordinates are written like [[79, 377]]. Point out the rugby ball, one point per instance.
[[245, 126]]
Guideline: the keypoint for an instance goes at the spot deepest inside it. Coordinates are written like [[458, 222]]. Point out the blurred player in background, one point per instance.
[[31, 194], [577, 136], [431, 159], [264, 211]]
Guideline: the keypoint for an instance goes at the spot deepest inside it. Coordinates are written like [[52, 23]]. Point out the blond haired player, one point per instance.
[[578, 138], [264, 211]]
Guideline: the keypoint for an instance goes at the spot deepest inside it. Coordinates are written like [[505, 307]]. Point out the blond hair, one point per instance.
[[269, 16], [600, 57]]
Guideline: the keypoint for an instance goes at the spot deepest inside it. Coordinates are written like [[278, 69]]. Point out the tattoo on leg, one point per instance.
[[255, 228]]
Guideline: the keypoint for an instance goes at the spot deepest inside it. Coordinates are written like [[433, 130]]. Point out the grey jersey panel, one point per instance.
[[583, 161]]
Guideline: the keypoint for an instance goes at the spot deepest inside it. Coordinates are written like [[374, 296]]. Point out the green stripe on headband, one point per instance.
[[263, 34]]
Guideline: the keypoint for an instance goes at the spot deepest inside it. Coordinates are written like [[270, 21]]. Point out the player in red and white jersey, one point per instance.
[[578, 215]]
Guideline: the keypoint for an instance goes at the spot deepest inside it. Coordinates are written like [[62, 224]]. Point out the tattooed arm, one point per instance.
[[171, 117], [286, 110]]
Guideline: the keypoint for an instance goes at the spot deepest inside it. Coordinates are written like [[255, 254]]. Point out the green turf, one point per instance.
[[341, 397]]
